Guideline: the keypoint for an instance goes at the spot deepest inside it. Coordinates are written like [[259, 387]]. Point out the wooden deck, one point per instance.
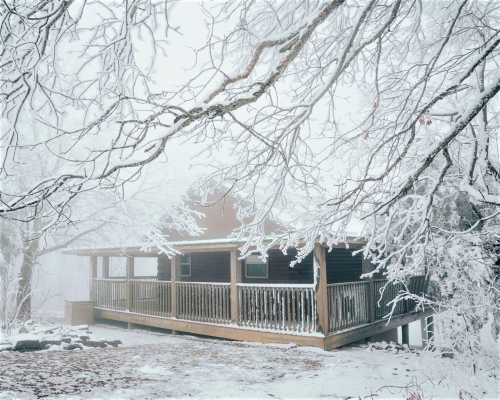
[[269, 313]]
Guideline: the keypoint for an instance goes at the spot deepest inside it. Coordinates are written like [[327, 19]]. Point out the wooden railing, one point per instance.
[[151, 297], [288, 307], [203, 301], [348, 304], [280, 307], [355, 303], [110, 293], [382, 295]]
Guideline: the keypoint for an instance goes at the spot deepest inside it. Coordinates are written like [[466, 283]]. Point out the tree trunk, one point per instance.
[[24, 290]]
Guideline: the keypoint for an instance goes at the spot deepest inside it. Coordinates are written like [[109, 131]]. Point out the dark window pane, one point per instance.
[[256, 270]]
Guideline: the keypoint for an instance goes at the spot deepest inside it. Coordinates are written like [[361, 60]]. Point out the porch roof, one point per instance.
[[144, 251], [200, 245]]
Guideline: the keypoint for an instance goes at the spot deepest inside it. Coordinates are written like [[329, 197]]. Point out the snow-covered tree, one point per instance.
[[381, 114]]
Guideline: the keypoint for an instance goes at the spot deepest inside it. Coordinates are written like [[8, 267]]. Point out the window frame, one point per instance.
[[266, 263], [181, 263]]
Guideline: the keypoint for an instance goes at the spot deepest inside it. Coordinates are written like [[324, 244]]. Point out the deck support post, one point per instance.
[[321, 287], [173, 277], [405, 334], [235, 279], [130, 288], [105, 267], [92, 277]]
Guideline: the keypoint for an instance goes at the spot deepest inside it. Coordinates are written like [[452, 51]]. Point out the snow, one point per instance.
[[159, 365]]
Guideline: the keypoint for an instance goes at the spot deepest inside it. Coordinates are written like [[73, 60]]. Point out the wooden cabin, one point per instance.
[[209, 290]]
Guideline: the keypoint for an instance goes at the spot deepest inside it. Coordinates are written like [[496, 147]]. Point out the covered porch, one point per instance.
[[209, 291]]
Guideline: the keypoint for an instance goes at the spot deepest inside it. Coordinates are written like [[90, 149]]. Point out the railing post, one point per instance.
[[105, 267], [372, 300], [92, 277], [130, 288], [235, 279], [173, 277], [321, 287]]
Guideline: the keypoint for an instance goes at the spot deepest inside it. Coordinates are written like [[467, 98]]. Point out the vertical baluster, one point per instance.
[[258, 307], [315, 304], [185, 291], [201, 290], [222, 309], [206, 290], [198, 304], [249, 305], [244, 305], [227, 300], [218, 303], [308, 310], [223, 289], [251, 308], [241, 299], [215, 292], [213, 311], [187, 300], [273, 308], [288, 309], [245, 300], [180, 288], [301, 306], [216, 309], [162, 290], [209, 301], [192, 302], [265, 305], [281, 309]]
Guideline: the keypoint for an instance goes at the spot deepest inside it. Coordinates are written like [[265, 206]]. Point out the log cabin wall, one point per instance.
[[215, 267], [279, 270], [209, 267], [164, 268], [342, 266], [205, 267]]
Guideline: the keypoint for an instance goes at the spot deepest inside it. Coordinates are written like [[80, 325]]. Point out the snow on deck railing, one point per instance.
[[278, 285], [356, 303], [203, 301], [204, 283], [281, 307]]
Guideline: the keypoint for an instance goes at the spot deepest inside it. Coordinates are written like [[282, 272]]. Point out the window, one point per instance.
[[256, 268], [186, 265], [117, 267]]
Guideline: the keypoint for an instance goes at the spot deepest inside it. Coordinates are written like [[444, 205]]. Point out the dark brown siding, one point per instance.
[[209, 267], [205, 267], [280, 271], [342, 266], [163, 268], [215, 267]]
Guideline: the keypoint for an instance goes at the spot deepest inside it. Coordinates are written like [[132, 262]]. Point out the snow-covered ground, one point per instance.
[[152, 365]]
